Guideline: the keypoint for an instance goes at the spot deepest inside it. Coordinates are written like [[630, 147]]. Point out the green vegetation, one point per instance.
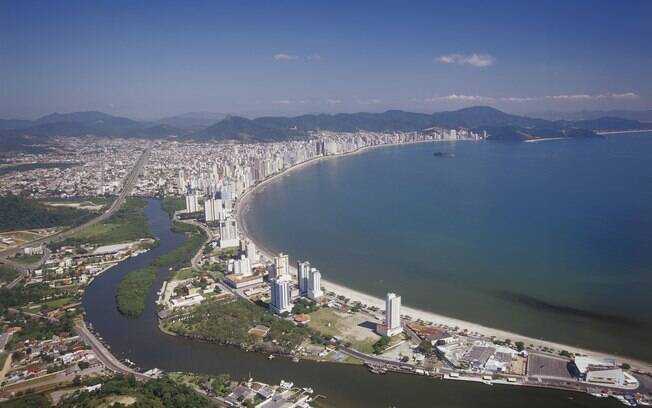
[[23, 295], [132, 291], [7, 274], [26, 259], [381, 344], [160, 393], [18, 213], [520, 346], [57, 303], [3, 359], [230, 323], [127, 224], [28, 401], [304, 306], [33, 166], [172, 204], [40, 329], [184, 273]]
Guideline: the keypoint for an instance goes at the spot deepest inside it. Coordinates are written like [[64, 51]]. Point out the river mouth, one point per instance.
[[549, 240], [142, 342]]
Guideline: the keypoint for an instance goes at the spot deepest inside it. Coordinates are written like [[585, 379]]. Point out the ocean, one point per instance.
[[552, 239]]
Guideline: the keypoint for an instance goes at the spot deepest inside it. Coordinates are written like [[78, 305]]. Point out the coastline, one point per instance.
[[614, 132], [242, 207]]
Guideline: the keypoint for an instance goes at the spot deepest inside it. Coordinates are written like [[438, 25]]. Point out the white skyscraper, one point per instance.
[[280, 295], [229, 234], [314, 284], [252, 254], [303, 269], [213, 210], [281, 265], [242, 266], [392, 315], [192, 203]]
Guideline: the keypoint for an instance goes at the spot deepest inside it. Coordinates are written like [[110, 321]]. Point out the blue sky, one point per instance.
[[150, 59]]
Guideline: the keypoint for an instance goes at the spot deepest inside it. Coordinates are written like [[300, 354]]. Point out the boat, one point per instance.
[[270, 357], [443, 154]]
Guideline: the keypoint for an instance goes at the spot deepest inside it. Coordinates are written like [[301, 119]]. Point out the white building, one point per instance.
[[252, 254], [314, 284], [213, 210], [392, 324], [281, 267], [229, 234], [243, 266], [303, 269], [192, 202], [281, 295]]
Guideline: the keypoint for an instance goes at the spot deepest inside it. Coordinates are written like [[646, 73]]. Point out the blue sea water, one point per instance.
[[550, 239]]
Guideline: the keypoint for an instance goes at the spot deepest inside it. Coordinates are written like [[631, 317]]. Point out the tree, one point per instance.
[[221, 384], [425, 347], [520, 346], [381, 344]]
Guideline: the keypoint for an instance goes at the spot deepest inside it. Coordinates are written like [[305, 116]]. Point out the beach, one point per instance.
[[414, 313]]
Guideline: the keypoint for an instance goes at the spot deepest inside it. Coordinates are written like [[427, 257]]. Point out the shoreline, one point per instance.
[[614, 132], [241, 208]]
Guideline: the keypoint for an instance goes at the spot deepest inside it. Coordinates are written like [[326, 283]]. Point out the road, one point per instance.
[[129, 183], [103, 354]]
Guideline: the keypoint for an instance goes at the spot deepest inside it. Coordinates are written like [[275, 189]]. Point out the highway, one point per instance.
[[129, 183]]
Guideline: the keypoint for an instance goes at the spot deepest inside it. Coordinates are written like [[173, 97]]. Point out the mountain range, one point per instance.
[[204, 126]]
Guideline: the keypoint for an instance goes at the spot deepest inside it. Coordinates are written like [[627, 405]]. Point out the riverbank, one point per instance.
[[242, 209]]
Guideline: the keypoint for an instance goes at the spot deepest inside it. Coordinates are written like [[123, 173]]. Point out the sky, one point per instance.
[[152, 59]]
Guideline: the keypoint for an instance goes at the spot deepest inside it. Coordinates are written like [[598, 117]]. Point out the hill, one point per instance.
[[500, 126], [192, 121]]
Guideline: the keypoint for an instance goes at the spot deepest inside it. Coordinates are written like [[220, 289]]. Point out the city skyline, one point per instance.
[[295, 58]]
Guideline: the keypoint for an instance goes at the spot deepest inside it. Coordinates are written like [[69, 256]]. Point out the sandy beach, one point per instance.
[[242, 207]]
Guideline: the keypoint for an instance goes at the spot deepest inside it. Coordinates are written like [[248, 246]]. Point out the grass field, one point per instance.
[[26, 259], [128, 224], [57, 303], [346, 327], [184, 273]]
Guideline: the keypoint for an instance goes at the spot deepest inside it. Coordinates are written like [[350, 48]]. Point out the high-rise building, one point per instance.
[[252, 254], [213, 210], [393, 315], [281, 295], [281, 265], [192, 202], [229, 234], [242, 266], [314, 284], [303, 269]]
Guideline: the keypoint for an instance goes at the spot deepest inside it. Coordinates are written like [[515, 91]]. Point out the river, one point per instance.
[[344, 386]]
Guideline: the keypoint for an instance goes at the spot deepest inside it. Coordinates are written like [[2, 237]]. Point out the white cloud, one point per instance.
[[521, 99], [287, 102], [586, 97], [284, 57], [460, 98], [476, 60], [371, 101], [333, 101]]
